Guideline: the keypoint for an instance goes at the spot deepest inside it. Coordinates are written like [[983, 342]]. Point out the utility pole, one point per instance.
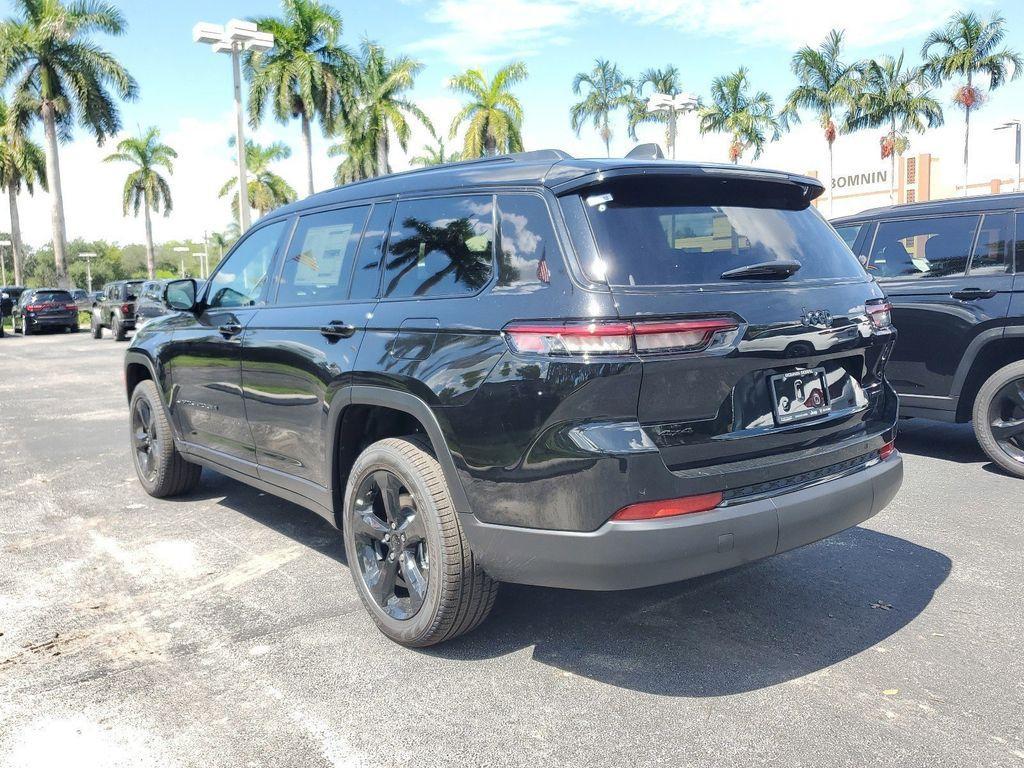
[[1016, 125], [3, 263], [88, 256]]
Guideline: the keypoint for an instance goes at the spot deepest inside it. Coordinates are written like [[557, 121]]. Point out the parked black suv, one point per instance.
[[948, 268], [115, 309], [49, 308], [598, 374]]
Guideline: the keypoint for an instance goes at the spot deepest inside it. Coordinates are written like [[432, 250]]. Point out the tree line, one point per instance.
[[53, 72]]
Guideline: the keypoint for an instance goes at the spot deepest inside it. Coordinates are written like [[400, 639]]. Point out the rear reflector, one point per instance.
[[651, 510], [887, 450], [603, 338]]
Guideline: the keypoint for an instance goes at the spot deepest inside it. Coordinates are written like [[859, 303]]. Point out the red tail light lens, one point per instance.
[[33, 307], [70, 306], [616, 337], [887, 450], [652, 510], [126, 309], [880, 315]]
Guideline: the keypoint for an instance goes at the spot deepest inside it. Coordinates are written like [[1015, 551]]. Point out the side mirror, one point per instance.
[[180, 295]]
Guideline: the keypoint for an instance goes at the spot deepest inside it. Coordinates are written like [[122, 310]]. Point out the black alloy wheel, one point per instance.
[[391, 544], [999, 418], [145, 439]]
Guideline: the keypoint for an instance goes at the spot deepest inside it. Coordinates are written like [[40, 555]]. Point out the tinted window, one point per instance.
[[526, 243], [937, 247], [43, 297], [673, 231], [849, 233], [131, 290], [319, 260], [366, 275], [440, 247], [240, 280], [995, 238]]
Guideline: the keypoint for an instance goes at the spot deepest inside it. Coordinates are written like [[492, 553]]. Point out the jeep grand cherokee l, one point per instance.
[[533, 369]]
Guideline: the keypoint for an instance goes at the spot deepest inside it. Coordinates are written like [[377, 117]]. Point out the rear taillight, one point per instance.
[[616, 337], [70, 306], [887, 450], [652, 510], [33, 307], [880, 314], [126, 309]]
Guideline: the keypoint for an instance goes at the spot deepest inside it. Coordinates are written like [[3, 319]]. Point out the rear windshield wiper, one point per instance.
[[765, 270]]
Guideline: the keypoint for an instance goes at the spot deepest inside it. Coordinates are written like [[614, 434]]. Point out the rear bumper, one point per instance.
[[62, 320], [622, 555]]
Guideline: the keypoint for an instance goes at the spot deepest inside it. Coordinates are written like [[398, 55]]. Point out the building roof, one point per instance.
[[933, 207], [551, 168]]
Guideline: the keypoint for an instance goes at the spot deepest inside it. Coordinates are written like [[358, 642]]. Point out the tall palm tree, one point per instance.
[[826, 86], [667, 81], [359, 154], [896, 97], [22, 161], [493, 114], [436, 154], [267, 190], [965, 47], [307, 74], [606, 91], [145, 188], [750, 120], [57, 69], [381, 104]]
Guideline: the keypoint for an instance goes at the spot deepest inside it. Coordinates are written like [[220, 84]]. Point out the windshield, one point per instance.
[[683, 231]]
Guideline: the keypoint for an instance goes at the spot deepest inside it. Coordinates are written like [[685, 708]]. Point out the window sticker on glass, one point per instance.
[[322, 255]]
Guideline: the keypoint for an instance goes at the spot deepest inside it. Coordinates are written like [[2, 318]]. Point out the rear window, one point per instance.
[[42, 297], [683, 231], [132, 290]]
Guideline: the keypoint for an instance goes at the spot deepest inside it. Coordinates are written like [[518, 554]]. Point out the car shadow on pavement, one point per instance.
[[744, 629], [940, 440]]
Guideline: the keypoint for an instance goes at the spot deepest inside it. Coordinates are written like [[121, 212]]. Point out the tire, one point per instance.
[[26, 330], [998, 409], [117, 329], [73, 328], [168, 474], [458, 595], [95, 327]]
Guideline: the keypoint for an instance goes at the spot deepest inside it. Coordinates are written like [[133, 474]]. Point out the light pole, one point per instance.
[[233, 38], [182, 249], [1015, 124], [681, 103], [3, 263], [201, 256], [88, 256]]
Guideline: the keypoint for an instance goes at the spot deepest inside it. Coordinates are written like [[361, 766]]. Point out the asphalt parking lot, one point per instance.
[[224, 629]]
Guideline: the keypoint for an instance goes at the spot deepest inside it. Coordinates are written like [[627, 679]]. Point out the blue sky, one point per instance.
[[186, 88]]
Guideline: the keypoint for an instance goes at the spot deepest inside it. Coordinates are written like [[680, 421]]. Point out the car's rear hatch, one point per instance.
[[52, 304], [798, 379]]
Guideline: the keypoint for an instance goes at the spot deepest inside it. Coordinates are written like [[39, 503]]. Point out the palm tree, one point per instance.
[[826, 86], [435, 155], [667, 81], [267, 190], [606, 91], [898, 98], [145, 188], [967, 46], [750, 120], [493, 114], [381, 106], [222, 241], [63, 76], [306, 74], [22, 161], [360, 157]]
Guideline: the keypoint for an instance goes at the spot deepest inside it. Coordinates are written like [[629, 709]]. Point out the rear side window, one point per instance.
[[992, 253], [526, 244], [319, 261], [681, 231], [923, 248], [849, 233], [440, 247]]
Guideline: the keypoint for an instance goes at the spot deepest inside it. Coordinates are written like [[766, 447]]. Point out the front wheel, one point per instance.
[[999, 418], [162, 470], [410, 560], [26, 330]]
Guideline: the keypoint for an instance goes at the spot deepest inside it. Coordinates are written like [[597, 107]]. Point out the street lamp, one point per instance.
[[182, 249], [201, 256], [88, 256], [233, 38], [3, 264], [1015, 124], [681, 103]]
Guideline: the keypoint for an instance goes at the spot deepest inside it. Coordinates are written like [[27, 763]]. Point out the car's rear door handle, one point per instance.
[[230, 329], [968, 294], [337, 330]]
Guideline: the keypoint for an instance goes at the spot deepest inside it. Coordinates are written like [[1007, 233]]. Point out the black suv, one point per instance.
[[115, 309], [49, 308], [595, 374], [948, 269]]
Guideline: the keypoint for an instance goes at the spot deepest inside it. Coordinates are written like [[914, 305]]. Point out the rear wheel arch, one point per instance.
[[376, 413], [998, 348]]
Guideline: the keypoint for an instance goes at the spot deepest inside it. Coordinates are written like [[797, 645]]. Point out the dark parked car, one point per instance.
[[116, 309], [9, 295], [45, 308], [82, 299], [958, 302], [532, 369], [151, 300]]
